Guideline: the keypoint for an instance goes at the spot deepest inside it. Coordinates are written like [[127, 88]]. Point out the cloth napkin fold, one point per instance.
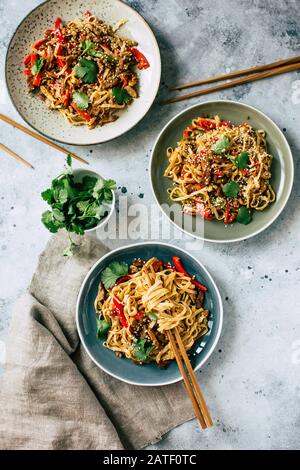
[[52, 396]]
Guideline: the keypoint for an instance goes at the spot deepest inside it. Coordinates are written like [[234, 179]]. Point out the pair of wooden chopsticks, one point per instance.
[[36, 136], [190, 381], [255, 73]]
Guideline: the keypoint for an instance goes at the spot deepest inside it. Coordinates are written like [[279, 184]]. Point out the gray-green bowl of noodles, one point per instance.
[[281, 170], [122, 368]]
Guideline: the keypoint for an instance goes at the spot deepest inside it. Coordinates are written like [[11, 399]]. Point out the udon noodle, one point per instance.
[[154, 299], [213, 153]]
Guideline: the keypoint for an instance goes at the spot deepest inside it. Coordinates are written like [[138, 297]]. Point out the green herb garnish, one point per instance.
[[75, 207], [142, 349], [37, 66], [231, 189], [244, 216], [120, 94], [102, 327], [113, 271], [81, 99], [221, 145], [241, 161], [152, 316], [87, 70], [89, 48]]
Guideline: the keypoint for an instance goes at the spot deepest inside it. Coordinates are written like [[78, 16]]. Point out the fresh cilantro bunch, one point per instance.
[[76, 207]]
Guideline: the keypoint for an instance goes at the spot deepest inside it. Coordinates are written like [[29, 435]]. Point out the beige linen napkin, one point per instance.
[[52, 395]]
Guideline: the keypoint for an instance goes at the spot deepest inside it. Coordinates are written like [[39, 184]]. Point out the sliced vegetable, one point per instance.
[[38, 44], [206, 124], [142, 61], [231, 189], [120, 312], [244, 216], [58, 30], [177, 262], [120, 94], [37, 79], [221, 145], [114, 271], [139, 316], [84, 114], [122, 279]]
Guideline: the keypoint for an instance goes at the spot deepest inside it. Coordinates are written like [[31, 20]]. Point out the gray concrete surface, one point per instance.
[[252, 381]]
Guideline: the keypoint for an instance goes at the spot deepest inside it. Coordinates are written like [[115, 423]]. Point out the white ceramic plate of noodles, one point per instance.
[[53, 124]]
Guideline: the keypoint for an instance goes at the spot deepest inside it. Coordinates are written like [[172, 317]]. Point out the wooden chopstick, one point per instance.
[[239, 73], [187, 383], [41, 138], [193, 377], [233, 83], [15, 155]]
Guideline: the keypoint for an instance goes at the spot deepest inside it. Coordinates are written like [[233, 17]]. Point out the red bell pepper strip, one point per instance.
[[122, 279], [59, 49], [27, 60], [124, 80], [139, 316], [225, 123], [180, 269], [142, 61], [33, 58], [38, 44], [89, 15], [66, 98], [37, 79], [84, 114], [206, 125], [219, 173], [61, 63], [120, 311], [226, 215], [27, 72], [232, 217], [168, 266], [58, 30], [244, 172]]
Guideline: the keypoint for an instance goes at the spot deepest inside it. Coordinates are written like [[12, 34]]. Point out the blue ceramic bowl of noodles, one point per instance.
[[123, 368]]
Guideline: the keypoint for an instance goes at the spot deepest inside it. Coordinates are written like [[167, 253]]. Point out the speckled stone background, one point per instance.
[[252, 381]]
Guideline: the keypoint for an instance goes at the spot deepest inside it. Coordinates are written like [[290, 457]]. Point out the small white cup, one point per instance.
[[78, 176]]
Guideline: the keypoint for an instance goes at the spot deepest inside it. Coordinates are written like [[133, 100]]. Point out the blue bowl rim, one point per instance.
[[208, 352], [249, 107]]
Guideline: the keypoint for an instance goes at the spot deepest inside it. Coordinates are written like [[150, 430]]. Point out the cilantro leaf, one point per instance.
[[152, 316], [241, 161], [81, 99], [142, 349], [113, 271], [52, 224], [89, 49], [87, 70], [244, 216], [221, 145], [120, 94], [47, 195], [74, 206], [37, 66], [88, 182], [102, 327], [103, 189], [231, 189]]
